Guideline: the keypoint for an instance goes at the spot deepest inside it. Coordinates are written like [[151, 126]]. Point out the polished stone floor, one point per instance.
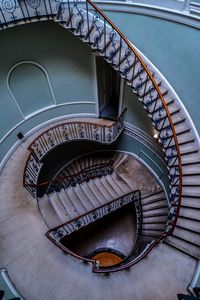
[[41, 271]]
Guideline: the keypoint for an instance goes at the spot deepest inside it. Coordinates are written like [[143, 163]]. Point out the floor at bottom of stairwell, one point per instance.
[[39, 270]]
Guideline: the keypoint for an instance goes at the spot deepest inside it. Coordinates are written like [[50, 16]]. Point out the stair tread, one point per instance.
[[58, 206], [183, 246], [70, 208], [84, 194]]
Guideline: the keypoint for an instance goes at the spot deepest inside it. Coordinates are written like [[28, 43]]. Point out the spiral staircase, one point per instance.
[[177, 136]]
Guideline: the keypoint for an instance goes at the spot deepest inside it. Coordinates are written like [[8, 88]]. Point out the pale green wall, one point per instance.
[[68, 63], [66, 60], [173, 48], [135, 113]]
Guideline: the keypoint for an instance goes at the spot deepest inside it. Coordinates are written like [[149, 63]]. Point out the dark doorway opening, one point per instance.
[[108, 83]]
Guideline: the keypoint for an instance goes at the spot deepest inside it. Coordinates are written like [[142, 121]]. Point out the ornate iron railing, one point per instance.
[[63, 133], [57, 233], [94, 27], [88, 22], [85, 174]]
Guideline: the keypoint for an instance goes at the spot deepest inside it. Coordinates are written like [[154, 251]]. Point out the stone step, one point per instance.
[[119, 183], [189, 224], [94, 188], [155, 219], [58, 206], [188, 191], [183, 246], [89, 188], [189, 236], [191, 180], [121, 158], [103, 190], [190, 202], [191, 169], [157, 212], [84, 194], [153, 198], [155, 233], [153, 227], [154, 205], [110, 188], [190, 213], [80, 208], [48, 212], [115, 184], [67, 203]]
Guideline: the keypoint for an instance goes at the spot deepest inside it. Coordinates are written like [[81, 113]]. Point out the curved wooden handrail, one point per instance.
[[68, 251], [60, 180], [168, 116], [76, 122], [130, 46]]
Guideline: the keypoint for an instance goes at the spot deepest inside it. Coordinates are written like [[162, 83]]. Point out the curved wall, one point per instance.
[[47, 73], [173, 48]]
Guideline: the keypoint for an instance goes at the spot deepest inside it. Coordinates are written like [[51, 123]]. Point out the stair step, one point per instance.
[[183, 246], [191, 180], [67, 203], [103, 190], [48, 212], [153, 198], [110, 188], [58, 206], [154, 205], [79, 207], [153, 226], [157, 212], [119, 161], [190, 202], [187, 235], [120, 186], [191, 169], [193, 191], [190, 213], [155, 233], [155, 219], [114, 185], [189, 224], [121, 182], [93, 187], [84, 194]]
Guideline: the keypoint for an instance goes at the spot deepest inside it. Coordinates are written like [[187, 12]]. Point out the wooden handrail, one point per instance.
[[60, 180], [67, 250], [75, 122], [130, 46], [91, 211]]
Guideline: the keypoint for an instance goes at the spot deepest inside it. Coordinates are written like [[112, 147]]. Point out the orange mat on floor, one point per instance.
[[107, 259]]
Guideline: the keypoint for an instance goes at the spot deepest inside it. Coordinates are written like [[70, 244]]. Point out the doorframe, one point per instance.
[[95, 87]]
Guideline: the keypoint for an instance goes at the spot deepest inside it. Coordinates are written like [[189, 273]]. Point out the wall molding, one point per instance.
[[143, 137], [163, 12], [39, 66], [47, 108], [38, 127]]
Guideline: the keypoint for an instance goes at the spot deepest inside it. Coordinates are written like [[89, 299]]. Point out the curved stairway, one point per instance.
[[177, 135], [69, 202], [62, 208]]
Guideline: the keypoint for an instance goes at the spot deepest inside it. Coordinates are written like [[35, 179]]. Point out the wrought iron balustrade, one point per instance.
[[62, 231], [84, 175], [92, 26], [63, 133]]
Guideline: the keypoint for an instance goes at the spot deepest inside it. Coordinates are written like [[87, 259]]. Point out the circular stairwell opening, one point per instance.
[[92, 209]]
